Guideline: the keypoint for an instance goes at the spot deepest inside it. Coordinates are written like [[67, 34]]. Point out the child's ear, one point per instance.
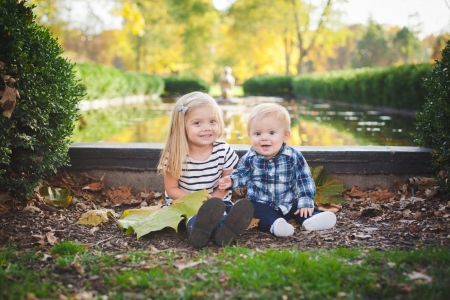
[[287, 135]]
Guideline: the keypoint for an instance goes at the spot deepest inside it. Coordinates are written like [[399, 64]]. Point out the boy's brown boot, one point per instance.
[[236, 222], [200, 226]]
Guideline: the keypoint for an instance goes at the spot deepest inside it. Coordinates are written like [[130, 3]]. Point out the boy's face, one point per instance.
[[268, 135]]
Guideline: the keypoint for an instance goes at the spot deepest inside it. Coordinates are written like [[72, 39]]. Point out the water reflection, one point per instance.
[[312, 125]]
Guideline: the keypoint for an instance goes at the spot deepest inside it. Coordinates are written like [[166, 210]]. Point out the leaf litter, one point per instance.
[[404, 217]]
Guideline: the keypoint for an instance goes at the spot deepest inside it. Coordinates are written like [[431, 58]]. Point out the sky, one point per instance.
[[432, 15]]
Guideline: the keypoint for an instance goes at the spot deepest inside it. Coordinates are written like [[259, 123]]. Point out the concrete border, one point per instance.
[[134, 164]]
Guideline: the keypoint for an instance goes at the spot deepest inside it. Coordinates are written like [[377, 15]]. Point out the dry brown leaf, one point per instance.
[[96, 186], [356, 192], [51, 239], [76, 264], [121, 195], [426, 183], [331, 207], [381, 196], [8, 101], [253, 224]]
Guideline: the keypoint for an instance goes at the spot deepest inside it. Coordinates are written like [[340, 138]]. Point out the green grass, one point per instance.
[[232, 272], [215, 91]]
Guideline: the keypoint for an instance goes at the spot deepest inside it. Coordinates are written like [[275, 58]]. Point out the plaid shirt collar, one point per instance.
[[284, 150]]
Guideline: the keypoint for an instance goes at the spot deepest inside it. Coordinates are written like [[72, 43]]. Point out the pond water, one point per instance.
[[312, 125]]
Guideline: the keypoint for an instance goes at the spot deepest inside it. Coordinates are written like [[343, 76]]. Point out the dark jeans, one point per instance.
[[267, 215]]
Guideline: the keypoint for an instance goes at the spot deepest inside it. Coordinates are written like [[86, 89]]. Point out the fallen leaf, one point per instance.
[[95, 217], [95, 186], [8, 101], [329, 188], [356, 193], [32, 208], [181, 265], [56, 197], [334, 208], [77, 265], [147, 219], [419, 276], [426, 183], [51, 239], [253, 224]]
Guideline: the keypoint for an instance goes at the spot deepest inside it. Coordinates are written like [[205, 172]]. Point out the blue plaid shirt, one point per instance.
[[277, 181]]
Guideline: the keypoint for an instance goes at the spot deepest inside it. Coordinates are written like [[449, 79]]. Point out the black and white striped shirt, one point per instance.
[[199, 175]]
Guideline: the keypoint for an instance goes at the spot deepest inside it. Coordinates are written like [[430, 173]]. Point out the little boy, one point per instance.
[[278, 179]]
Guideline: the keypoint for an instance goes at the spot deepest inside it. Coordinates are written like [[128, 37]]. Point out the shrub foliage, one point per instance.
[[105, 82], [433, 121], [269, 85], [34, 136], [394, 86], [177, 86]]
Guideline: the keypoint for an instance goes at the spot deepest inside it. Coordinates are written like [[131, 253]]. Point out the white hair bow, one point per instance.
[[183, 108]]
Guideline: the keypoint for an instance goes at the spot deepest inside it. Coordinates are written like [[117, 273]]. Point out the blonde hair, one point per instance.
[[176, 148], [262, 110]]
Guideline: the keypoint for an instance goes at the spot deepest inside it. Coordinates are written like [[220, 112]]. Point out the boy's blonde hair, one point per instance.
[[262, 110], [176, 148]]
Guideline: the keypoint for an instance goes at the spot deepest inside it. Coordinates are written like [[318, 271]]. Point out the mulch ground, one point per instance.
[[405, 218]]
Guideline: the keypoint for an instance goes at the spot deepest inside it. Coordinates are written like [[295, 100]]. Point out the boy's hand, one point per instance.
[[224, 183], [305, 212]]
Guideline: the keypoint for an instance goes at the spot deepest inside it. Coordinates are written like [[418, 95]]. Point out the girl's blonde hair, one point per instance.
[[262, 110], [176, 148]]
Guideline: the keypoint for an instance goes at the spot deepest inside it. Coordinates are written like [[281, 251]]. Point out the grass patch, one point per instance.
[[233, 272]]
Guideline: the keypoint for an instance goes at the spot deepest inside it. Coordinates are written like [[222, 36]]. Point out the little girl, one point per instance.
[[192, 160]]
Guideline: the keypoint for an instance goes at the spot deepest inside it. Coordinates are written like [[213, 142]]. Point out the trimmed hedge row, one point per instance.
[[395, 86], [269, 85], [103, 82], [177, 86]]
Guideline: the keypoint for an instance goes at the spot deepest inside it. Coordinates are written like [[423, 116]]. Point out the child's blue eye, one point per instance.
[[213, 121], [257, 133], [272, 132]]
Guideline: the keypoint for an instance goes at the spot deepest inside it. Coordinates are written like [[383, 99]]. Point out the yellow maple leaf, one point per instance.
[[95, 217], [147, 219]]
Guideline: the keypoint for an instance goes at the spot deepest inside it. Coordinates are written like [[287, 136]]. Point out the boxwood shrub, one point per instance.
[[269, 85], [106, 82], [433, 121], [34, 139], [177, 86]]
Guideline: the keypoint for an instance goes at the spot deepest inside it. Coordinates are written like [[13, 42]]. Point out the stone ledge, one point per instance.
[[134, 164]]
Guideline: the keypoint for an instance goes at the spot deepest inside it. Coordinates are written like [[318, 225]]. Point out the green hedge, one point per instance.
[[177, 86], [433, 120], [395, 86], [104, 82], [35, 137], [269, 85]]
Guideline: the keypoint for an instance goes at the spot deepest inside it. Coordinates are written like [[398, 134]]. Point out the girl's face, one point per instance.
[[202, 127], [268, 135]]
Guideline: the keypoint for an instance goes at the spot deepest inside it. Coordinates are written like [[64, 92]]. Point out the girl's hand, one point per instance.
[[224, 183], [305, 212]]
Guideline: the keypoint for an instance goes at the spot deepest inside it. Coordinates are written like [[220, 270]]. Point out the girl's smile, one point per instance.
[[202, 127]]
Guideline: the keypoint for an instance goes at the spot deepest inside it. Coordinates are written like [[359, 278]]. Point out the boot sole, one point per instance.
[[209, 214], [237, 221]]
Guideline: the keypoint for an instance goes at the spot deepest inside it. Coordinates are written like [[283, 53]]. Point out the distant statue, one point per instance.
[[226, 82]]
